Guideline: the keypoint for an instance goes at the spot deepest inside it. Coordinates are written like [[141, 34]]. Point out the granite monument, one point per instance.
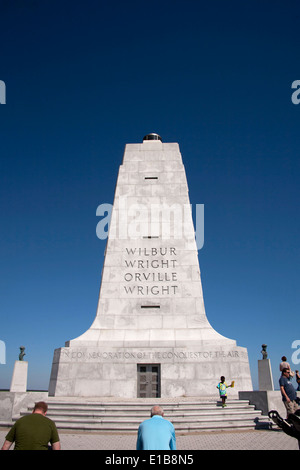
[[150, 336]]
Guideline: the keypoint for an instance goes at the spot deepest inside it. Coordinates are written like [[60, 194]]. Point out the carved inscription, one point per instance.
[[150, 272], [151, 355]]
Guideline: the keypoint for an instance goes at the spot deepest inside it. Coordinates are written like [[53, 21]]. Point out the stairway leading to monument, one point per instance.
[[124, 416]]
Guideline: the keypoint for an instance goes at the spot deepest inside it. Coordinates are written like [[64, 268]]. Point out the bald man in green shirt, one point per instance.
[[33, 432]]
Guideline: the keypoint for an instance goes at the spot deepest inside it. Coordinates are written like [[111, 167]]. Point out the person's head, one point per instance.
[[283, 358], [40, 407], [157, 410], [286, 372], [222, 378]]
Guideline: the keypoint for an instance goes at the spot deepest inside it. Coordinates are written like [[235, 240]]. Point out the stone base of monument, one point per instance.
[[87, 371], [12, 404], [266, 400], [19, 377]]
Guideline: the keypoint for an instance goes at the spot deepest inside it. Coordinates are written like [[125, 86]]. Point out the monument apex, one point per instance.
[[152, 136]]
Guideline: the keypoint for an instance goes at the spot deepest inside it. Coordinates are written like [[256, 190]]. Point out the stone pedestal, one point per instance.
[[266, 401], [150, 336], [19, 377], [265, 378]]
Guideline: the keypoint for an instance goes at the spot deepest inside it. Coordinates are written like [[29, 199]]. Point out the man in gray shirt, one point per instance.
[[288, 392]]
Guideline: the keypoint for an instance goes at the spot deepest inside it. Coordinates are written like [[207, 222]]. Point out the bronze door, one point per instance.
[[148, 380]]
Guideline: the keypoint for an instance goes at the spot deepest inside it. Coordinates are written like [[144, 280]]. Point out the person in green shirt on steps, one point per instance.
[[33, 432], [222, 386]]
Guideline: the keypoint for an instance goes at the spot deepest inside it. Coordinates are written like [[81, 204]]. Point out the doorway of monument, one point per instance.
[[148, 380]]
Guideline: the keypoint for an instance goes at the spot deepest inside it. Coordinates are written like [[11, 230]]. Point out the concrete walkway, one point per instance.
[[247, 440]]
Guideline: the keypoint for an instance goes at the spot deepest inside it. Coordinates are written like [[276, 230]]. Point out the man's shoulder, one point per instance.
[[156, 421], [49, 421], [283, 380], [145, 421], [25, 419], [35, 418]]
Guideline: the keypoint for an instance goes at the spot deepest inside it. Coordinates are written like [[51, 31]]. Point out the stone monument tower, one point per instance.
[[150, 336]]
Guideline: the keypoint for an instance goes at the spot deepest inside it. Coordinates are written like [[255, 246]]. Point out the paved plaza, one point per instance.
[[235, 440]]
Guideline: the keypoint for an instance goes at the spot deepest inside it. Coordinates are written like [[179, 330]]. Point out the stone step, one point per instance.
[[140, 402], [125, 416], [134, 417], [176, 414], [145, 411], [209, 425], [146, 406]]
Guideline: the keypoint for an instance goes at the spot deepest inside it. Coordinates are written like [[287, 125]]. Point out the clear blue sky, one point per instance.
[[83, 78]]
